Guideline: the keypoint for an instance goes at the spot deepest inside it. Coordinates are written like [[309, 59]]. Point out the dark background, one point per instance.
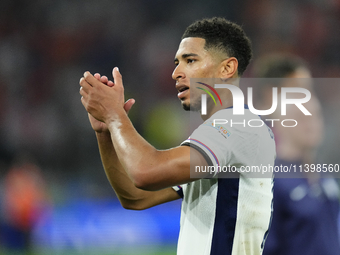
[[45, 46]]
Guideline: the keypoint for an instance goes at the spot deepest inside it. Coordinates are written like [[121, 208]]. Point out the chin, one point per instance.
[[189, 107], [186, 106]]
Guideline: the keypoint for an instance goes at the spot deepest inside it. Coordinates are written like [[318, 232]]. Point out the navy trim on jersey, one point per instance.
[[205, 155], [180, 191], [225, 218]]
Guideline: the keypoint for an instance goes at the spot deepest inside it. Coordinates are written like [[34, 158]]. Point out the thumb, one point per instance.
[[128, 104], [118, 80]]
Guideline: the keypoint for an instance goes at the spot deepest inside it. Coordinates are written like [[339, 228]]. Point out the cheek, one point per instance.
[[194, 94], [210, 70], [197, 72], [206, 70]]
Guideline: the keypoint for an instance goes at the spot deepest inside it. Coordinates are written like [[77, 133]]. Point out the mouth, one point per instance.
[[182, 90]]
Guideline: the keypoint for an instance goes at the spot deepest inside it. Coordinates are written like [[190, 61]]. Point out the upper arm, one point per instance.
[[208, 146], [173, 167], [150, 199]]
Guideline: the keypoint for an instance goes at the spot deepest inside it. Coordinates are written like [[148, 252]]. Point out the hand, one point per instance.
[[97, 125]]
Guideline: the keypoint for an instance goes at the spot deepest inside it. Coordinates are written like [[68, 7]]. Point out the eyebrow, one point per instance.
[[186, 55]]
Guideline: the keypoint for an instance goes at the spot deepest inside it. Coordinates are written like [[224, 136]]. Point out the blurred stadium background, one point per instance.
[[52, 186]]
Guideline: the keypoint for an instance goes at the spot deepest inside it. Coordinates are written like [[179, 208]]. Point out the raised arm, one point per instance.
[[148, 168], [129, 196]]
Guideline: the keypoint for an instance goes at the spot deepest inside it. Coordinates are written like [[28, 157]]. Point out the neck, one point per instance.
[[215, 108], [226, 98]]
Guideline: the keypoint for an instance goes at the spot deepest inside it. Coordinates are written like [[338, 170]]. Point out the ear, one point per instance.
[[229, 68]]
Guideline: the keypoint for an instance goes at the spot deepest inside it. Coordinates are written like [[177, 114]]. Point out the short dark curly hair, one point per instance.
[[223, 35]]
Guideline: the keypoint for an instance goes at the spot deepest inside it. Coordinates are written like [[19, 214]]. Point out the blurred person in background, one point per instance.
[[219, 215], [306, 208], [25, 199]]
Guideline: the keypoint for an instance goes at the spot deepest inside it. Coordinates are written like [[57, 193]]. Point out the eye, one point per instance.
[[189, 60]]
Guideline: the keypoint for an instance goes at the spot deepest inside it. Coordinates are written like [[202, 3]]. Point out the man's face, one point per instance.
[[193, 61]]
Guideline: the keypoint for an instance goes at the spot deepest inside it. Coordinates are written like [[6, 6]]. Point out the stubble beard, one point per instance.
[[186, 107], [193, 106]]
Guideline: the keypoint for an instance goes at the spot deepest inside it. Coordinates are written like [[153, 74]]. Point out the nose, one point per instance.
[[178, 73]]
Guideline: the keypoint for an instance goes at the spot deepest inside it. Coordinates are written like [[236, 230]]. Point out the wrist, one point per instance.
[[118, 122], [103, 134], [115, 118]]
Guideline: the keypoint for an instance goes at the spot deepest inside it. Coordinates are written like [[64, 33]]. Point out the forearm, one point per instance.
[[148, 168], [118, 178], [101, 102], [128, 194]]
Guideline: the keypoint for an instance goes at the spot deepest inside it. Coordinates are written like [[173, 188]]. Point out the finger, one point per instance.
[[104, 79], [110, 83], [84, 102], [90, 79], [128, 104], [118, 79], [82, 92], [97, 76], [85, 85]]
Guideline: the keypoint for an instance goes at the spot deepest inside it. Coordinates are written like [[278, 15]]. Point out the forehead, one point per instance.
[[191, 45]]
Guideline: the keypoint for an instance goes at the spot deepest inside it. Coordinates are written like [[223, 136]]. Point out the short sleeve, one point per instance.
[[223, 145], [211, 142]]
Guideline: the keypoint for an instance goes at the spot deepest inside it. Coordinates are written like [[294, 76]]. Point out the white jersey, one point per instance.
[[228, 216]]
